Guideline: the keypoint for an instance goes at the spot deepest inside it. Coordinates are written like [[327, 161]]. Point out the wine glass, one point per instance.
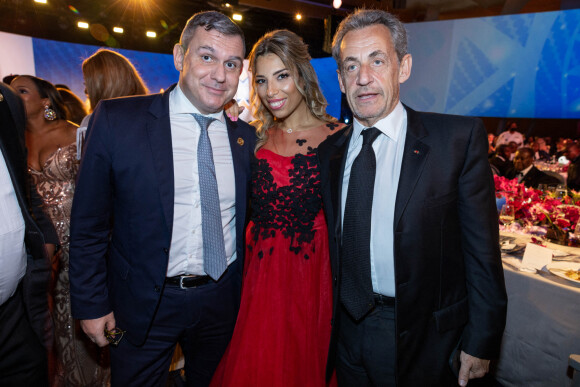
[[507, 214]]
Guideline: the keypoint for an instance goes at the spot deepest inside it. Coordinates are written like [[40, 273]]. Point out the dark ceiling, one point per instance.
[[57, 19]]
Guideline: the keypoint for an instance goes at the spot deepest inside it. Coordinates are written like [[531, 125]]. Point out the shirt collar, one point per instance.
[[391, 125], [525, 171], [181, 105]]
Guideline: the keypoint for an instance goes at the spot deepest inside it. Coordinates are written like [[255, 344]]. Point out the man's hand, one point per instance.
[[95, 329], [471, 368]]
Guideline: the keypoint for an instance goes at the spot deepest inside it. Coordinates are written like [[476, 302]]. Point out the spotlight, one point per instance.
[[237, 17], [336, 3], [151, 34], [118, 30], [227, 5], [83, 25], [40, 1], [298, 16]]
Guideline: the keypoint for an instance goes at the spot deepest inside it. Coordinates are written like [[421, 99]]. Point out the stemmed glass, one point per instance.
[[507, 214]]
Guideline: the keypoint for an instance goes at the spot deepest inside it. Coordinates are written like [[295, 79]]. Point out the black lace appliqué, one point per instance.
[[289, 209], [332, 125], [300, 141]]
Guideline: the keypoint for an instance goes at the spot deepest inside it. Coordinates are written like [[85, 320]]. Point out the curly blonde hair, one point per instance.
[[293, 53]]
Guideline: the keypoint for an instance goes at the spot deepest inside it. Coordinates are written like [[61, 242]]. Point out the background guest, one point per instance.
[[510, 134], [501, 162], [107, 74], [525, 171], [52, 164], [573, 154], [75, 107]]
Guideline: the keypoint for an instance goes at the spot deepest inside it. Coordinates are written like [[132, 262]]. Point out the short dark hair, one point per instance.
[[210, 20], [362, 18]]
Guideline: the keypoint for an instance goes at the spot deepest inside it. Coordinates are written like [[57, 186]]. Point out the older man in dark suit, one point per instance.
[[413, 228], [157, 224], [27, 239]]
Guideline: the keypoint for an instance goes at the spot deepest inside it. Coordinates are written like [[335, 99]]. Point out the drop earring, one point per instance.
[[49, 114]]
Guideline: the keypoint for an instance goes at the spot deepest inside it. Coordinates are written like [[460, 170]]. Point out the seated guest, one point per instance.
[[500, 163], [541, 151], [526, 173], [573, 154]]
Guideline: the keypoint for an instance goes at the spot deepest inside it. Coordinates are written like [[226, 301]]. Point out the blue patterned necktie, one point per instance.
[[214, 252], [356, 290]]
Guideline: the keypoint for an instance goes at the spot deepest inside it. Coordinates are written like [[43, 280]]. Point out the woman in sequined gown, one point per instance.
[[52, 162], [282, 333]]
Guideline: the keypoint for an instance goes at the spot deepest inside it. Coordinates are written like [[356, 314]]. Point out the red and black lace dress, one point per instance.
[[283, 328]]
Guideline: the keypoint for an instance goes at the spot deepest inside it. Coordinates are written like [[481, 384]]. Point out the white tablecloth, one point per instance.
[[542, 329]]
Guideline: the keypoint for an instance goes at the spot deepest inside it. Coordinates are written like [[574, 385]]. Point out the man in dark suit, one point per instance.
[[27, 239], [143, 256], [413, 227], [525, 171], [572, 153]]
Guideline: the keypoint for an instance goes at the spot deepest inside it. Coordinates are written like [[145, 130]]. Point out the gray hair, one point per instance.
[[362, 18], [210, 20]]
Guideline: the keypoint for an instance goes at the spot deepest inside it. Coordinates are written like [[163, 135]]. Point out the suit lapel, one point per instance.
[[159, 131], [414, 160], [337, 161], [240, 160]]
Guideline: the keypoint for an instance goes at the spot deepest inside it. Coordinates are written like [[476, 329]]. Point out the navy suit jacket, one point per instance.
[[122, 215], [448, 272]]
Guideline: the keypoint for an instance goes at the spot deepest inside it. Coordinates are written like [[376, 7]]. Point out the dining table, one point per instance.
[[543, 317]]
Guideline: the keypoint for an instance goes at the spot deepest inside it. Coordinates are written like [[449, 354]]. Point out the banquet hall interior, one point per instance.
[[504, 61]]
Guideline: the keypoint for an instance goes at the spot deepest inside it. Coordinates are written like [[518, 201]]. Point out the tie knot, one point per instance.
[[370, 135], [202, 120]]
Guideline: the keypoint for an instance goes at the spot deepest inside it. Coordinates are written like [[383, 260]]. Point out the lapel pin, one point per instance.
[[240, 141], [1, 97], [416, 151]]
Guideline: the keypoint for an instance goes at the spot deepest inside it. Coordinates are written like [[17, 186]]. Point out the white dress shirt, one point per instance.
[[389, 147], [12, 248], [186, 253]]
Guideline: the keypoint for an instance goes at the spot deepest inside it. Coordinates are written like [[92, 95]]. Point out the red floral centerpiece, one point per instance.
[[555, 212]]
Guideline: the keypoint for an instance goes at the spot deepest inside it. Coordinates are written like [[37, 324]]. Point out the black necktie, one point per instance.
[[356, 291]]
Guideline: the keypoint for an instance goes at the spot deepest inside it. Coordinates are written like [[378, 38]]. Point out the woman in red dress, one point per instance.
[[283, 328]]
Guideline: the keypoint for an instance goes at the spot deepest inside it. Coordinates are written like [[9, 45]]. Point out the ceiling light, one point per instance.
[[40, 1], [118, 30], [336, 3], [151, 34], [227, 5], [237, 17], [298, 16], [84, 25]]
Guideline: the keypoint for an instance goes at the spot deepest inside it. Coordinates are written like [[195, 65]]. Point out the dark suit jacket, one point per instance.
[[573, 179], [501, 165], [38, 227], [534, 178], [126, 174], [449, 275]]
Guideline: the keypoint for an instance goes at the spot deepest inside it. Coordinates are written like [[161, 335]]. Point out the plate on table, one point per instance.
[[511, 248], [565, 270]]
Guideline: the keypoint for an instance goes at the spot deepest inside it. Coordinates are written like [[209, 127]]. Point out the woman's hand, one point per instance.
[[233, 110]]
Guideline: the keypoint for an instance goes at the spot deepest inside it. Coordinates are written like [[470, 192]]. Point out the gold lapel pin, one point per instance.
[[240, 141], [2, 99]]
